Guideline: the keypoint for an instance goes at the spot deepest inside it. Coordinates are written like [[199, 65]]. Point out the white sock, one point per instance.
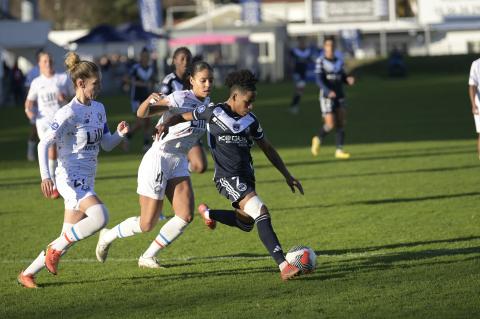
[[97, 218], [52, 165], [39, 262], [127, 228], [168, 233]]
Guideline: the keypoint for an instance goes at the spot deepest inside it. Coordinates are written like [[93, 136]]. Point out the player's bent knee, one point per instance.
[[99, 213], [255, 207], [147, 225]]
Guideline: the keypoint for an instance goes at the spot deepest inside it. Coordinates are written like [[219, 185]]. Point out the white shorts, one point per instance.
[[74, 188], [156, 169], [476, 117], [328, 105], [42, 127]]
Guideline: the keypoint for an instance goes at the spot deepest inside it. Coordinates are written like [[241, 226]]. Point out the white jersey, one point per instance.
[[78, 129], [474, 79], [45, 92], [183, 136]]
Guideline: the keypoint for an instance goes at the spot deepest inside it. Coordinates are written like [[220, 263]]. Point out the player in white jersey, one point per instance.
[[48, 91], [79, 129], [175, 81], [474, 92], [164, 170]]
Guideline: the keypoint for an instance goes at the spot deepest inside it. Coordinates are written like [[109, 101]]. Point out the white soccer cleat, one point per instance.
[[149, 262], [102, 247]]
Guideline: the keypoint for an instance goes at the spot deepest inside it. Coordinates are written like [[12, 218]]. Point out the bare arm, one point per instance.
[[29, 109], [162, 128], [277, 161], [472, 91], [147, 109]]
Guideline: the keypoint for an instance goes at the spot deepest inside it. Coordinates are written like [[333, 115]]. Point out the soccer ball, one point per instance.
[[305, 264]]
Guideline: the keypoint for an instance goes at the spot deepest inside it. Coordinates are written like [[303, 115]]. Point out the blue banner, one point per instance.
[[251, 12], [151, 14]]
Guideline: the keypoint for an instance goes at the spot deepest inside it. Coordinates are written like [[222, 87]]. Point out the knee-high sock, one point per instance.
[[127, 228], [39, 262], [324, 130], [229, 217], [340, 137], [168, 233], [97, 218], [52, 165], [269, 238]]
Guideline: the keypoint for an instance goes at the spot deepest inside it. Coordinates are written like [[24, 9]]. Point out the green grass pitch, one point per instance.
[[396, 228]]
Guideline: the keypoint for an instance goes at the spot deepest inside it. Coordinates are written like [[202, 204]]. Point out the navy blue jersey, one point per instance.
[[230, 137], [171, 83], [142, 74], [330, 75], [301, 59]]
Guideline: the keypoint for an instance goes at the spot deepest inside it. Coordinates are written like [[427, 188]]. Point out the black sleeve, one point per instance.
[[256, 130], [203, 112]]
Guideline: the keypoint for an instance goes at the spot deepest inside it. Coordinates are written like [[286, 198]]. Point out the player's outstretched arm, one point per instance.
[[155, 104], [109, 141], [162, 128], [277, 161]]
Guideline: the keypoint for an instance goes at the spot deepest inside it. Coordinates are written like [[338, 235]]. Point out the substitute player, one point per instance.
[[175, 81], [142, 79], [232, 128], [331, 77], [301, 57], [164, 170], [473, 92], [47, 93], [79, 129]]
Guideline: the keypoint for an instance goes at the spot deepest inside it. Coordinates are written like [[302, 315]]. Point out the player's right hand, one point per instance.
[[161, 130], [332, 95], [47, 187], [154, 98]]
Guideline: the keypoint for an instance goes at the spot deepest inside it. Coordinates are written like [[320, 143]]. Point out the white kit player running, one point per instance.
[[473, 92], [164, 170], [79, 129], [48, 91]]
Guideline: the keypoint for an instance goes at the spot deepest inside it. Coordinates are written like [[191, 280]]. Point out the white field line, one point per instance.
[[128, 260]]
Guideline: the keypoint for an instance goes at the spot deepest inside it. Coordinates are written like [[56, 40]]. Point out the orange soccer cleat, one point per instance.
[[27, 281], [52, 258], [289, 272]]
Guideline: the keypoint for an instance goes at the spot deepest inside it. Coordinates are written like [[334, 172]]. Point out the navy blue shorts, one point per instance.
[[235, 188]]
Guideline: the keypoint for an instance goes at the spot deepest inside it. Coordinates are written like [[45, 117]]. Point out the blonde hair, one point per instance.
[[80, 69]]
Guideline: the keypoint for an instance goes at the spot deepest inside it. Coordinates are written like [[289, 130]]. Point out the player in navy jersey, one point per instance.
[[175, 81], [79, 129], [142, 79], [232, 128], [301, 57], [331, 78]]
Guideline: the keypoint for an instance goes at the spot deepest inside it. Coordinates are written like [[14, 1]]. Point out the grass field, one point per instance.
[[396, 228]]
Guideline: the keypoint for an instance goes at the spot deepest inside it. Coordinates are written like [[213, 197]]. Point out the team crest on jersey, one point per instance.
[[201, 109], [236, 127], [87, 121], [99, 117], [54, 126]]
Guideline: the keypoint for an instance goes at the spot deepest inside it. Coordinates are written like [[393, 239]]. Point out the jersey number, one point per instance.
[[80, 182], [159, 178], [97, 136]]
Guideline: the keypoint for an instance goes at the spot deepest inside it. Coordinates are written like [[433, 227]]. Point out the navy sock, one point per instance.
[[229, 217], [269, 238], [340, 137], [295, 100]]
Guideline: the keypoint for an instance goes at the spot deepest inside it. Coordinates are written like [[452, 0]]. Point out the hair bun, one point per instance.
[[71, 61]]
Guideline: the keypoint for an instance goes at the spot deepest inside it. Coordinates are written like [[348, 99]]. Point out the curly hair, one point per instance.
[[243, 80]]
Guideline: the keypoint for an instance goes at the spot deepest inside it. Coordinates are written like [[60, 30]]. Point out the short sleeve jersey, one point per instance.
[[181, 137], [77, 129], [45, 92], [331, 74], [230, 137], [474, 79], [170, 84], [140, 73], [301, 58]]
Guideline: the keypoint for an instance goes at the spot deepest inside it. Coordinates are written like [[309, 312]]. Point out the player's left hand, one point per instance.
[[293, 182], [123, 128], [350, 80]]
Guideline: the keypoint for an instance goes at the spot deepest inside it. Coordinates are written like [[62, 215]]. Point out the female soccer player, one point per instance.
[[49, 91], [473, 93], [231, 128], [141, 79], [78, 129], [164, 170], [175, 81], [330, 77]]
